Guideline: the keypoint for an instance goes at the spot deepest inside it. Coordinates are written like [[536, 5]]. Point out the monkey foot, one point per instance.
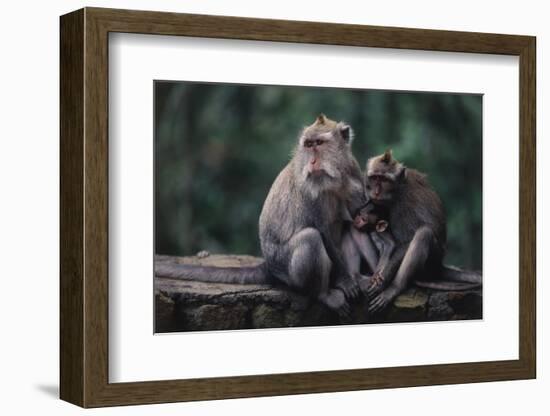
[[381, 301], [336, 301]]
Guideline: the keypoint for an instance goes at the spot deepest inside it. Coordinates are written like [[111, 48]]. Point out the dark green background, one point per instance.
[[218, 148]]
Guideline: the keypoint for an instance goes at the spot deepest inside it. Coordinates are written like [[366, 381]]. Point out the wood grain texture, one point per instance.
[[71, 100], [527, 209], [84, 206], [227, 27], [96, 215]]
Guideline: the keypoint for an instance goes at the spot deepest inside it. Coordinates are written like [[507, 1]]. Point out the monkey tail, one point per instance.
[[455, 274], [453, 278], [448, 286], [211, 274]]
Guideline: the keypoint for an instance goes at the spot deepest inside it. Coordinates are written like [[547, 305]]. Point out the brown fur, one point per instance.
[[418, 222]]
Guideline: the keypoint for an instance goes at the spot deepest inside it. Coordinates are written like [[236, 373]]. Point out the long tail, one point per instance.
[[453, 278], [455, 274], [212, 274], [447, 286]]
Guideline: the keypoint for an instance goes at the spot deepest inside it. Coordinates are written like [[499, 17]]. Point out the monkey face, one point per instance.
[[360, 222], [323, 155], [382, 177], [366, 219], [380, 188], [317, 148]]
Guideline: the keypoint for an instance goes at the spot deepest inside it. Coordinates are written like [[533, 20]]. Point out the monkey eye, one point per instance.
[[379, 178], [308, 143], [318, 142]]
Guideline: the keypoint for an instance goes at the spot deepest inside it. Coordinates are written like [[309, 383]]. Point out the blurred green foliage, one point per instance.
[[219, 147]]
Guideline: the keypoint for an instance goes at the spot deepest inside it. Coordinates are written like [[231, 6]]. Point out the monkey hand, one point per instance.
[[349, 286], [382, 300], [376, 284]]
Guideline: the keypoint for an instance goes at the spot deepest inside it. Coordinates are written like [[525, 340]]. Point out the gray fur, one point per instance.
[[302, 221]]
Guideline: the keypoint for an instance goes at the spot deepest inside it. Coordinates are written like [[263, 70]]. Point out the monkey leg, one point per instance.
[[359, 244], [415, 258], [356, 244], [309, 271], [342, 279], [380, 279], [366, 247]]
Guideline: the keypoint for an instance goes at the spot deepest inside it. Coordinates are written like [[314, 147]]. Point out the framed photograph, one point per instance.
[[255, 207]]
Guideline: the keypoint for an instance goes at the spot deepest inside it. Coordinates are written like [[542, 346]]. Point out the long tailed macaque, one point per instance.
[[373, 219], [419, 226], [302, 222]]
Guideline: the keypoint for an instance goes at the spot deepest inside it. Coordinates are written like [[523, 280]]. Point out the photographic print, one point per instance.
[[289, 206]]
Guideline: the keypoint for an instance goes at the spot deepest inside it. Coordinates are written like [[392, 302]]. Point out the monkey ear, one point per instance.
[[346, 132], [401, 172], [321, 119], [387, 156]]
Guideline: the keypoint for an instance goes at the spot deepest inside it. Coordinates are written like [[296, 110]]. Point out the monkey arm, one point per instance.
[[387, 267], [366, 248], [393, 262], [355, 203], [388, 248]]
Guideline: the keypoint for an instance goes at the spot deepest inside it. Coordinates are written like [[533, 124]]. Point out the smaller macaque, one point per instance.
[[373, 219], [419, 226]]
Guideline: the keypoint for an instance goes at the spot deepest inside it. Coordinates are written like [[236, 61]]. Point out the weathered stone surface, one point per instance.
[[194, 306], [409, 306], [209, 317], [467, 303], [439, 308], [164, 313], [268, 316]]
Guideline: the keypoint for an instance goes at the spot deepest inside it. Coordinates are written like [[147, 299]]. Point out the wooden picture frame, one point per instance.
[[84, 207]]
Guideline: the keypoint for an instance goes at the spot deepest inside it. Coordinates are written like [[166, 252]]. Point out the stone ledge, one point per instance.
[[196, 306]]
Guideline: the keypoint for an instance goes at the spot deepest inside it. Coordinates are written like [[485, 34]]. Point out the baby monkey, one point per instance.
[[373, 219]]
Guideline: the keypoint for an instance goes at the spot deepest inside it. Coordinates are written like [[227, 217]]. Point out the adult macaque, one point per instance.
[[302, 222], [419, 226]]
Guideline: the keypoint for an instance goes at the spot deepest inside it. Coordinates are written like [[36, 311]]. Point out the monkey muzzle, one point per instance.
[[359, 222], [314, 165], [377, 190]]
